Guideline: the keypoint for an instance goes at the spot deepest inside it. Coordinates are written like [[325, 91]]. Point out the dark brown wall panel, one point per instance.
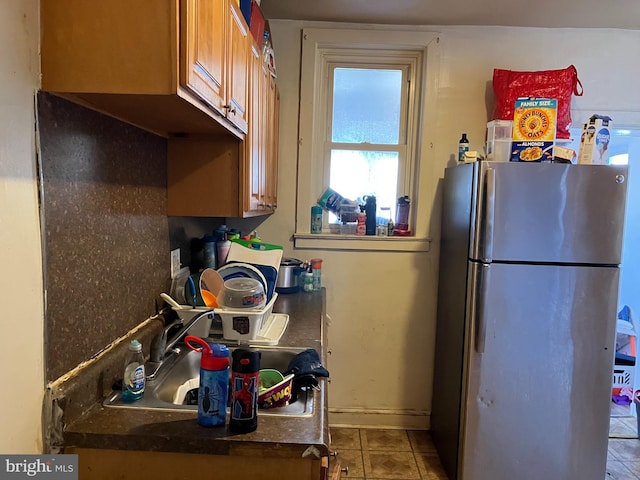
[[106, 239]]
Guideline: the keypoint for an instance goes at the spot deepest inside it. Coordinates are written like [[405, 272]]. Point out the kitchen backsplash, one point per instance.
[[106, 235]]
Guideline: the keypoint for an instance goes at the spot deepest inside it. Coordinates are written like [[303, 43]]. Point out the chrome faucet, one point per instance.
[[160, 347]]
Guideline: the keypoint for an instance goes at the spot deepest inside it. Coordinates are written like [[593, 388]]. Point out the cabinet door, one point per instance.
[[264, 139], [238, 68], [252, 174], [332, 470], [203, 50], [271, 161], [103, 464], [336, 471]]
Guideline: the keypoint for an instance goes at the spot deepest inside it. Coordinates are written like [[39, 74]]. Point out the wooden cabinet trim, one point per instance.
[[103, 464]]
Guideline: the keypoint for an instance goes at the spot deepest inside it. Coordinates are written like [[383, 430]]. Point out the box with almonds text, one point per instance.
[[534, 129]]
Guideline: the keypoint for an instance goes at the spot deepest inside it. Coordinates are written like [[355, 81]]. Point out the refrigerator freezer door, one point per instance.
[[537, 398], [549, 213]]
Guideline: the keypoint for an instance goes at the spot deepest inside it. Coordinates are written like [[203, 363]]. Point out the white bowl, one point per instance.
[[242, 292]]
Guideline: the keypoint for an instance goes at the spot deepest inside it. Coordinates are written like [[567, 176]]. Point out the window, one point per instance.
[[362, 98], [367, 136]]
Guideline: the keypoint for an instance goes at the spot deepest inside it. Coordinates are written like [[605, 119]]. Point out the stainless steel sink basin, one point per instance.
[[179, 375]]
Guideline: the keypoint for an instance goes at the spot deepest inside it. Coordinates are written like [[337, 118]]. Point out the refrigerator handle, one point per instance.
[[478, 289], [489, 214]]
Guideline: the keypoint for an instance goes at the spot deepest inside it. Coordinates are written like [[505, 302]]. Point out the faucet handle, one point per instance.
[[159, 342], [158, 347]]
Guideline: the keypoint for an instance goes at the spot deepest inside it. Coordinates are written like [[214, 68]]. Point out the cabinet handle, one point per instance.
[[329, 352], [345, 470], [334, 454], [229, 108]]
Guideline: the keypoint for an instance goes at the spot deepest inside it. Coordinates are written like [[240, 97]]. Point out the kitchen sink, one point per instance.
[[174, 387]]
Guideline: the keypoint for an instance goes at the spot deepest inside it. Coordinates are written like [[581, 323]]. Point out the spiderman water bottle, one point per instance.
[[214, 381], [244, 390]]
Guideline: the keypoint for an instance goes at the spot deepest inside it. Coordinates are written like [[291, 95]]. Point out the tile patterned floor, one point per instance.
[[623, 460], [379, 454]]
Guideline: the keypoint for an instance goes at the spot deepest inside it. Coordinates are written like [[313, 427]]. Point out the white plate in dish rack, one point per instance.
[[270, 333], [236, 269], [272, 330]]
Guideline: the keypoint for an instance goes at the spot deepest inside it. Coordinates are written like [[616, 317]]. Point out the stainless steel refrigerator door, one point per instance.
[[549, 213], [457, 211], [539, 371]]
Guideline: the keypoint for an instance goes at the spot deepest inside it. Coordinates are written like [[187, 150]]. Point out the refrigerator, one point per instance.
[[529, 268]]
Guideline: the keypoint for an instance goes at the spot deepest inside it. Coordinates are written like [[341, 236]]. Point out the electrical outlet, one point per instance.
[[175, 262]]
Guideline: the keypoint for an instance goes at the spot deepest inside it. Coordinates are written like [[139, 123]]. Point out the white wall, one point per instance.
[[21, 295], [383, 305]]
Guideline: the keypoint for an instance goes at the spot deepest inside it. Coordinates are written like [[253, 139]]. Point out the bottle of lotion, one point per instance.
[[463, 146]]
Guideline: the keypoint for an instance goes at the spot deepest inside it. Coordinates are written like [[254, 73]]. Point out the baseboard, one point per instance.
[[396, 419]]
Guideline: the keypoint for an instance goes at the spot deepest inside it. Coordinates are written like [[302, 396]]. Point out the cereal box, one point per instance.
[[594, 142], [534, 129]]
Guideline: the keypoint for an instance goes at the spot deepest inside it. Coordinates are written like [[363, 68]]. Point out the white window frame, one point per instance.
[[321, 49]]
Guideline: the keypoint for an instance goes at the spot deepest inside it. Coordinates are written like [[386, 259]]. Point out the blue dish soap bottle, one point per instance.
[[213, 388], [134, 378]]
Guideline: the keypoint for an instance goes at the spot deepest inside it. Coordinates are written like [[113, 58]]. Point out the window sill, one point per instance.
[[327, 241]]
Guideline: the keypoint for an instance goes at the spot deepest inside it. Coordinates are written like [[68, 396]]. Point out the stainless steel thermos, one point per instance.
[[245, 370]]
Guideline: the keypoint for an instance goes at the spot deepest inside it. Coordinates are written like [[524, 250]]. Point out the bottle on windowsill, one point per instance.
[[361, 227]]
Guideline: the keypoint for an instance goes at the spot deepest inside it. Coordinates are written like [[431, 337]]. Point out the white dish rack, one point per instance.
[[244, 324], [257, 327]]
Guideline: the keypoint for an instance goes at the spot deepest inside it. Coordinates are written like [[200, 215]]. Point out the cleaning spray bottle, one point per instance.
[[213, 388]]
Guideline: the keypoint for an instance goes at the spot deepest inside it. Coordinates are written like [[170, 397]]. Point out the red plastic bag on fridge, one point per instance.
[[508, 85]]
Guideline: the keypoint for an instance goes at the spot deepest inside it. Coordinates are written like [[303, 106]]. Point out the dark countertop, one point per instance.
[[145, 429]]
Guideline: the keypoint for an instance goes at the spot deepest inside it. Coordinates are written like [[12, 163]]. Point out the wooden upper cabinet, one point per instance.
[[260, 175], [215, 56], [184, 69], [168, 66], [203, 50], [109, 47]]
